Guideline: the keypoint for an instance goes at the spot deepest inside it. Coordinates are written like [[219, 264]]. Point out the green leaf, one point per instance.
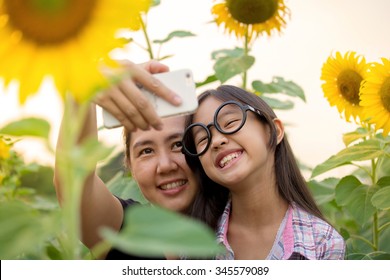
[[383, 166], [376, 255], [84, 158], [208, 80], [28, 127], [23, 229], [381, 199], [53, 252], [384, 181], [231, 62], [278, 104], [351, 137], [323, 191], [362, 151], [177, 34], [344, 189], [125, 187], [165, 57], [228, 67], [155, 3], [153, 231], [236, 52], [356, 198], [279, 85]]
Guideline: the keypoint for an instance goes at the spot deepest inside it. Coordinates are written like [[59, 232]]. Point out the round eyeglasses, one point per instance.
[[229, 118]]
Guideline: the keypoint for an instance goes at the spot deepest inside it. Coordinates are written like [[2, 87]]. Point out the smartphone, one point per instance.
[[179, 81]]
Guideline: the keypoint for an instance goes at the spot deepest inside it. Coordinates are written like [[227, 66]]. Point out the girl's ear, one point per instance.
[[279, 129]]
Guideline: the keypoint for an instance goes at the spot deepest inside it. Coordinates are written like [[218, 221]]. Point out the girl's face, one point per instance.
[[232, 159], [159, 167]]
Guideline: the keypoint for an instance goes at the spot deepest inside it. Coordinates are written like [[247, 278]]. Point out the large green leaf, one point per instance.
[[344, 189], [125, 187], [279, 85], [381, 199], [83, 158], [323, 191], [27, 127], [278, 104], [152, 231], [356, 198], [236, 52], [177, 34], [230, 63], [23, 229], [208, 80], [365, 150]]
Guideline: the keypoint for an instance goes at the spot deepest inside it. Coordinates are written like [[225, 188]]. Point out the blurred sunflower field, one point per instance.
[[67, 42]]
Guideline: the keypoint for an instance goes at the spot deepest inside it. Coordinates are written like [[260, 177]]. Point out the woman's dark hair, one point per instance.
[[289, 180]]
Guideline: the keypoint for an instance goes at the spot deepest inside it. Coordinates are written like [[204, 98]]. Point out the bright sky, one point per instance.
[[315, 30]]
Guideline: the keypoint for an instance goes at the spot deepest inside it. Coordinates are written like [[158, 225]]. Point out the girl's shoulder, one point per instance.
[[327, 241]]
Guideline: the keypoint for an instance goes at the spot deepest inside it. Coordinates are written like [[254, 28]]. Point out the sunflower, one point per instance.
[[375, 96], [65, 39], [343, 76], [251, 17]]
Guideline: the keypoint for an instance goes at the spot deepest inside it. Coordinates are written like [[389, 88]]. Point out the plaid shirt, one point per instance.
[[300, 236]]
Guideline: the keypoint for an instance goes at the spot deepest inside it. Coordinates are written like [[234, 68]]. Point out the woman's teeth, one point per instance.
[[173, 185]]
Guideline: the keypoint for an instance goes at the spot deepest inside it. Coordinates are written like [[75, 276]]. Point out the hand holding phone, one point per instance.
[[179, 81]]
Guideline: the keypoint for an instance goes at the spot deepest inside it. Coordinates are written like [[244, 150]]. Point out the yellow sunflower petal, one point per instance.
[[375, 96], [68, 43], [342, 76], [275, 22]]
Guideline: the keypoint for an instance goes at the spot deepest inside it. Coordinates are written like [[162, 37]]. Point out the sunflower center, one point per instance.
[[252, 11], [348, 83], [384, 92], [49, 22]]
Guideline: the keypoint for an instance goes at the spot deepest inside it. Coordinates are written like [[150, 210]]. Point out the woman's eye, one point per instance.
[[145, 151], [177, 145]]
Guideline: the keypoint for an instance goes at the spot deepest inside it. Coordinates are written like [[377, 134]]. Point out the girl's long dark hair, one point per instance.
[[289, 180]]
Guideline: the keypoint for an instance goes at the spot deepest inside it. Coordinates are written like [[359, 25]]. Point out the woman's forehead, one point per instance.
[[171, 126]]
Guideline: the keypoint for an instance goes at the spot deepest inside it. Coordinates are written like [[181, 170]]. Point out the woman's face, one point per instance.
[[232, 159], [159, 167]]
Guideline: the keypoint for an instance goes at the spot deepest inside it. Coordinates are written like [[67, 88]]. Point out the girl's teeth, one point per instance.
[[227, 159]]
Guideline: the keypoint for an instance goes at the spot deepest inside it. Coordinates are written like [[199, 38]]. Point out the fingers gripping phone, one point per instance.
[[179, 81]]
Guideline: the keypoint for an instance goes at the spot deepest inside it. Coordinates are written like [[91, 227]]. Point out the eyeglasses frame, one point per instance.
[[244, 108]]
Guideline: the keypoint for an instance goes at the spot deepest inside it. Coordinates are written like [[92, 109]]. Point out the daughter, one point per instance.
[[236, 140]]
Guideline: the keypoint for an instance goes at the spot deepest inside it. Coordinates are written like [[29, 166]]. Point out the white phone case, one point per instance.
[[179, 81]]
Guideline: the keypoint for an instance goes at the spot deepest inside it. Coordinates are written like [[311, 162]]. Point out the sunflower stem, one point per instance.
[[362, 239], [149, 49], [246, 51], [373, 175], [71, 180]]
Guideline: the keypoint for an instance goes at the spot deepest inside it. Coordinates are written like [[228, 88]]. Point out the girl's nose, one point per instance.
[[218, 139]]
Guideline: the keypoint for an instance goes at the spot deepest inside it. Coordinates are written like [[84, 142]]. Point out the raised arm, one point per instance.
[[99, 208]]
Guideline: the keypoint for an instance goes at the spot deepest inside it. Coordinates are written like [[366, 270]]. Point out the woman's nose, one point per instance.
[[166, 163]]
